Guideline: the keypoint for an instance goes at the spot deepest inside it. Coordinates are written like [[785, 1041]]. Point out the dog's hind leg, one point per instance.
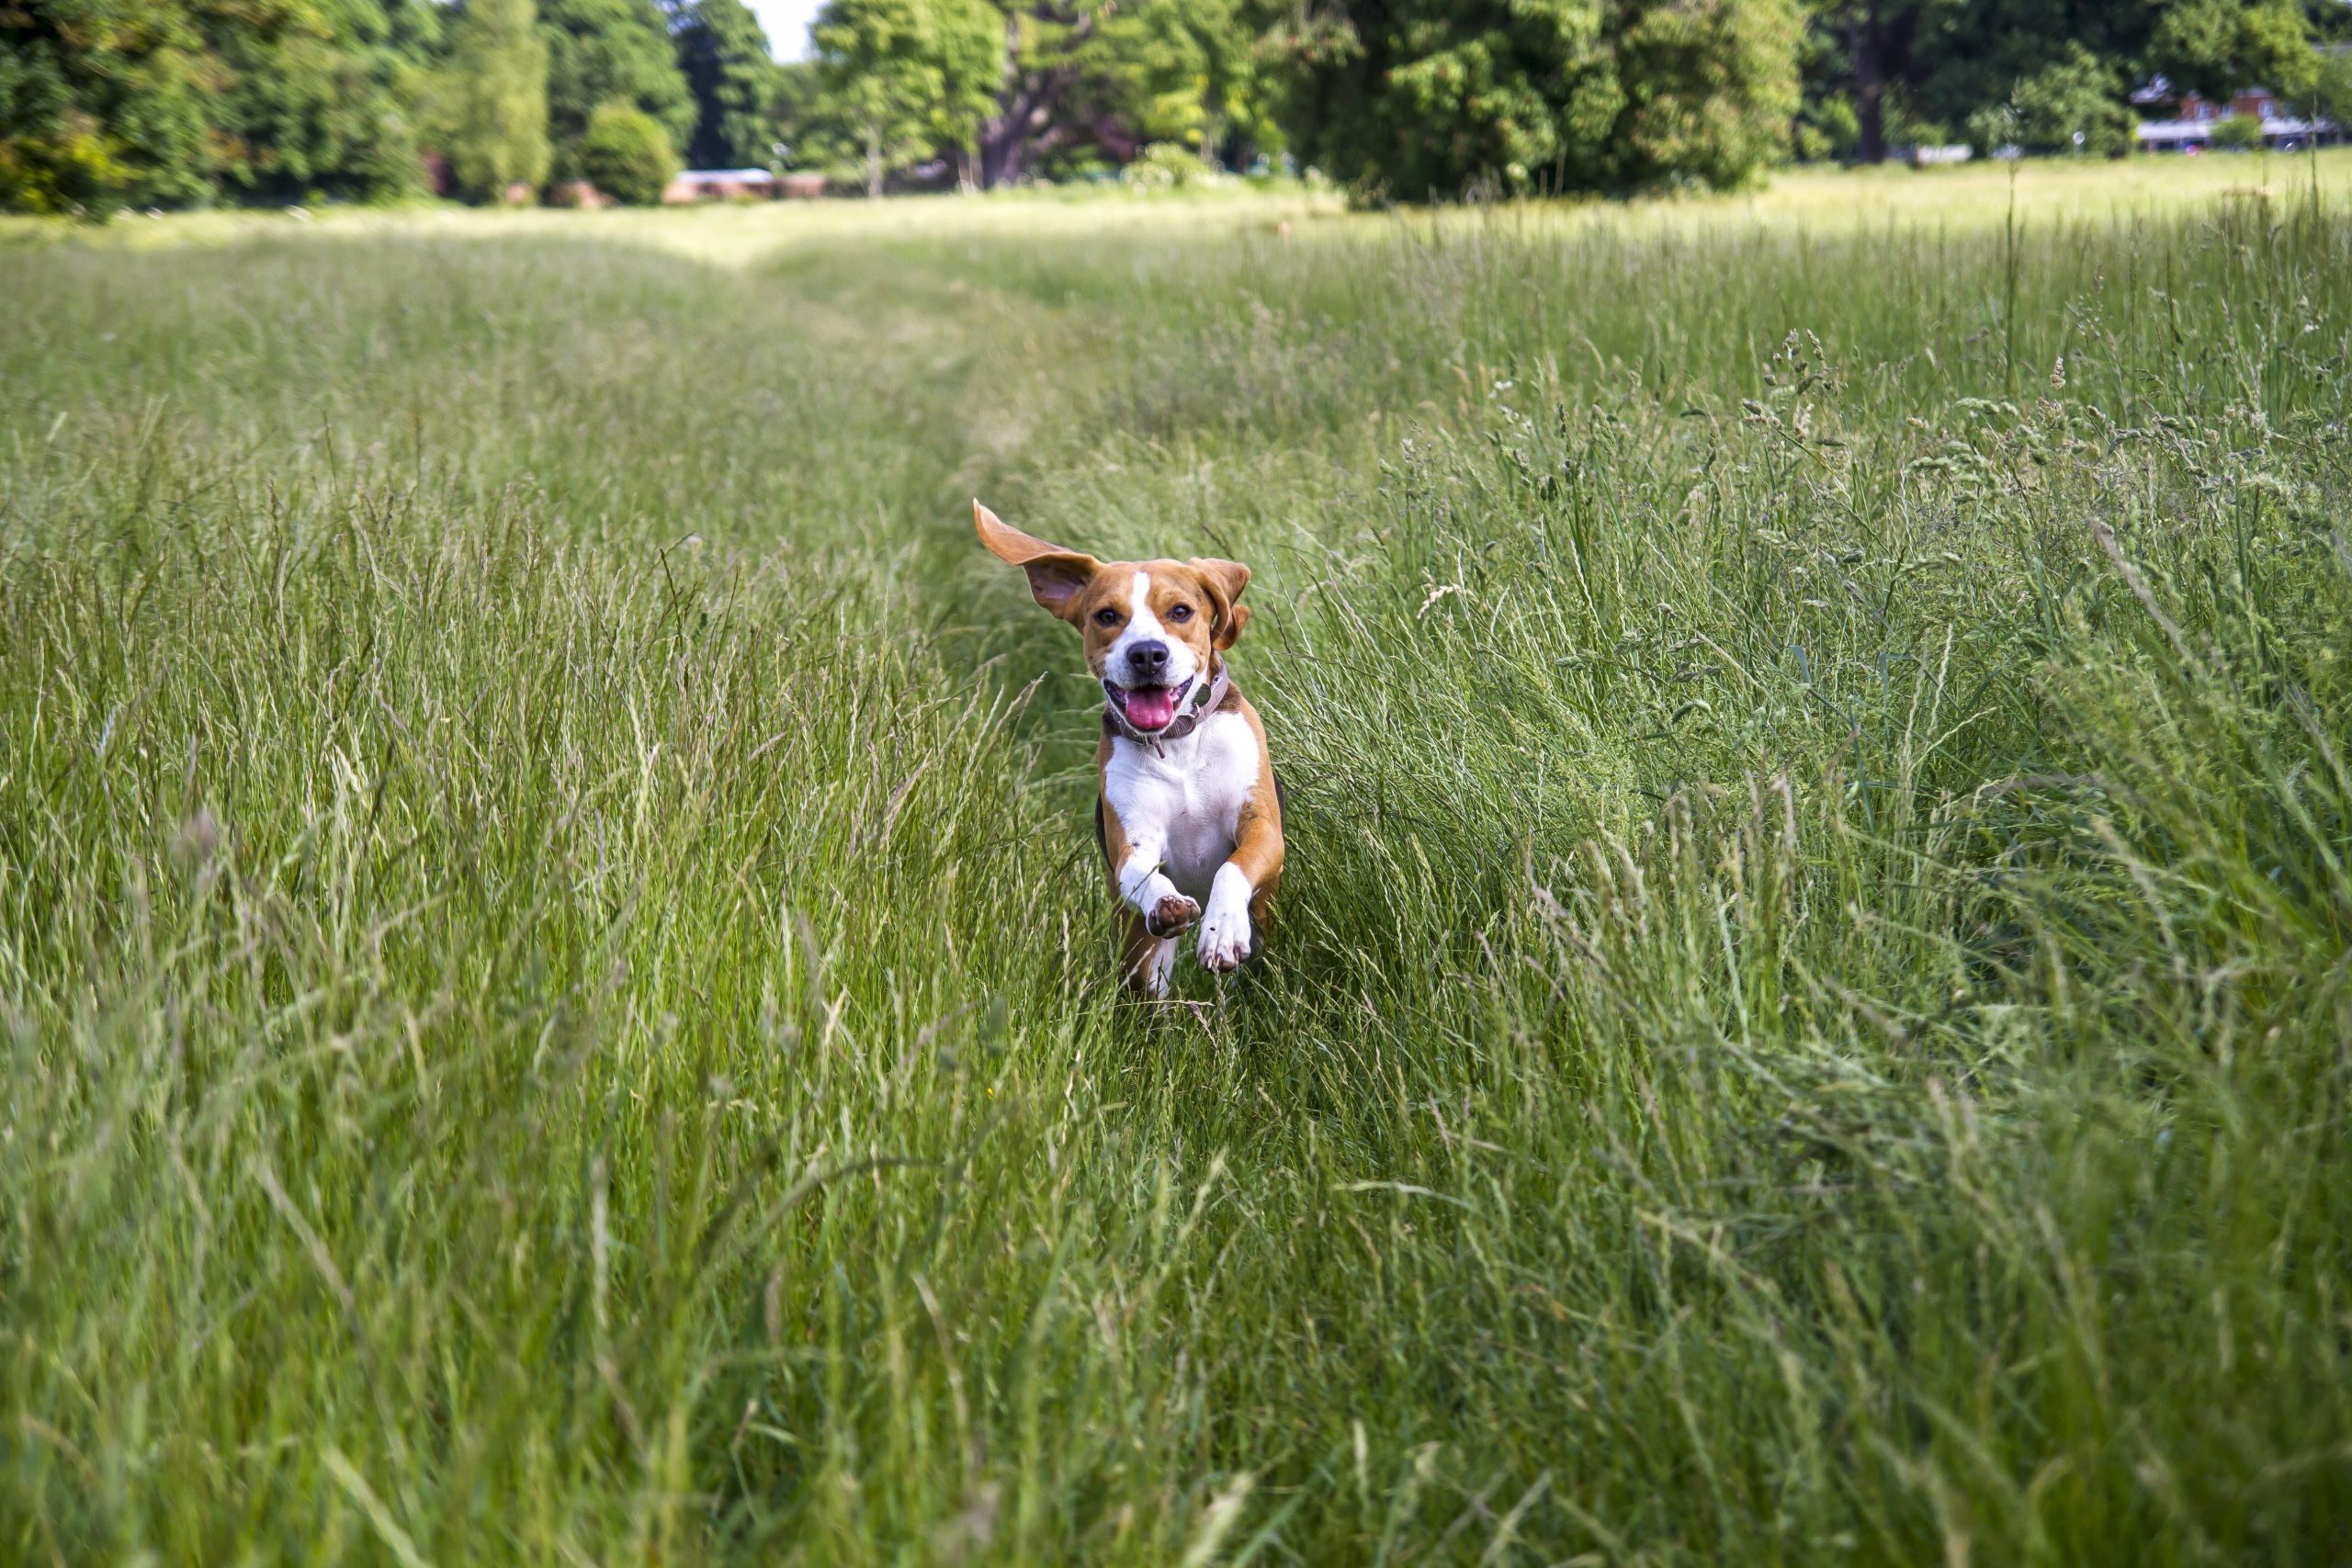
[[1145, 960]]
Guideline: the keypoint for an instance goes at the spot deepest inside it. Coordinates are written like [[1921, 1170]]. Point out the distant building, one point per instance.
[[2183, 122], [720, 185]]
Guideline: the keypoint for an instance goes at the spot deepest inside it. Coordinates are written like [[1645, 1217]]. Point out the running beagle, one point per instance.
[[1190, 817]]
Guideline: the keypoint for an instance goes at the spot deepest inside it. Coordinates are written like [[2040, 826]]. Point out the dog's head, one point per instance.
[[1152, 627]]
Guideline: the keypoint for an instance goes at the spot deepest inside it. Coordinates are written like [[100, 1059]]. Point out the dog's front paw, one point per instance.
[[1225, 937], [1171, 915]]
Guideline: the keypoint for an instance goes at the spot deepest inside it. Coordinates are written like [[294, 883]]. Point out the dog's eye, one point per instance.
[[1181, 613], [1106, 617]]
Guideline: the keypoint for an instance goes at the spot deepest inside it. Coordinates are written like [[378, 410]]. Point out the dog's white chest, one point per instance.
[[1186, 799]]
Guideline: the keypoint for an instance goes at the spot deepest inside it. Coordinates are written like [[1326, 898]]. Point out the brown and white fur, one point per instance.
[[1190, 818]]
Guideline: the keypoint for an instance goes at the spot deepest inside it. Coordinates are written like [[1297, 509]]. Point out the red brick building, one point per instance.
[[2183, 122]]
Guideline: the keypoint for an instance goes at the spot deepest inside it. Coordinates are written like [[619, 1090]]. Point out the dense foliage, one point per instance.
[[1917, 70], [901, 78], [101, 102], [1424, 97], [1091, 84], [104, 102], [626, 154], [1413, 98], [493, 100], [319, 96], [182, 102], [1006, 92], [733, 75], [610, 51], [2068, 106]]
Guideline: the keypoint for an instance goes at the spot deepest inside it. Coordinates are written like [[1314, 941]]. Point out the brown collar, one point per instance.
[[1205, 701]]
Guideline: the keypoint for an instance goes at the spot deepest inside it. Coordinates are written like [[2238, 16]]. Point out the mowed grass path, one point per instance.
[[559, 995]]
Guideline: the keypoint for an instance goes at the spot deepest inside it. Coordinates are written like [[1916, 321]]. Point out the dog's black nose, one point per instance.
[[1149, 657]]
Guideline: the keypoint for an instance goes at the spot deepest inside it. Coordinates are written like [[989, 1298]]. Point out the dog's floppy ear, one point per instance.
[[1057, 577], [1224, 580]]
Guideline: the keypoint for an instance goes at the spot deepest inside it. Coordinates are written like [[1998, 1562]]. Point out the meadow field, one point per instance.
[[558, 992]]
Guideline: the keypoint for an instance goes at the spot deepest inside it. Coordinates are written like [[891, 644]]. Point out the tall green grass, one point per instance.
[[559, 999]]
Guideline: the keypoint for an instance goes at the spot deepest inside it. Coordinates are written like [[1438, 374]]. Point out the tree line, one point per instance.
[[180, 103], [188, 102]]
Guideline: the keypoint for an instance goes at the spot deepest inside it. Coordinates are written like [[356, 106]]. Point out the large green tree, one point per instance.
[[1863, 64], [104, 102], [492, 101], [320, 94], [968, 43], [1709, 87], [733, 75], [906, 79], [1011, 88], [610, 51], [1424, 98], [1180, 71], [1084, 78], [2214, 47], [878, 77], [1418, 99], [1237, 88]]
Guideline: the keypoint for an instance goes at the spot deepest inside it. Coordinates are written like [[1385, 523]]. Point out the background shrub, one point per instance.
[[1164, 166], [627, 155], [2239, 133], [2073, 106]]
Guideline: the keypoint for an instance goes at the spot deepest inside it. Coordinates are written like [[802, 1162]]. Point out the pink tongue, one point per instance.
[[1151, 707]]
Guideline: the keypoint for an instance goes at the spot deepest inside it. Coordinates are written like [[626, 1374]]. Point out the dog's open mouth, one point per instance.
[[1147, 707]]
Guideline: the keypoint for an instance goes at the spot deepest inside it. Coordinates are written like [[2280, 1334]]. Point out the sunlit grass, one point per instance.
[[1817, 200]]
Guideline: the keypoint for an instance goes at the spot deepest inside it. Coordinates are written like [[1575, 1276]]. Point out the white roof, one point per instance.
[[2202, 129], [723, 176]]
